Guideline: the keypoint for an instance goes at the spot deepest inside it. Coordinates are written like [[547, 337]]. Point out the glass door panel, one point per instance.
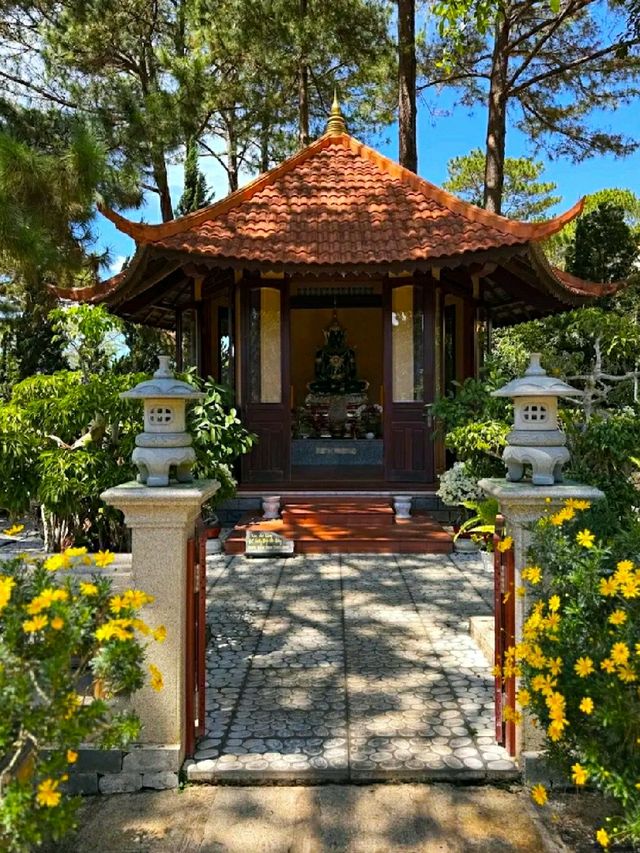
[[265, 346]]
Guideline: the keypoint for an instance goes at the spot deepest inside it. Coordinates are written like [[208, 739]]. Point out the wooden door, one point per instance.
[[265, 382], [409, 380]]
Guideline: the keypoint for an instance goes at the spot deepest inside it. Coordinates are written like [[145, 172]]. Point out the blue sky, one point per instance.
[[439, 139]]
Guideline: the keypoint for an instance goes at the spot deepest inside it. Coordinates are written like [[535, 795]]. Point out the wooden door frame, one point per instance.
[[427, 286], [283, 416]]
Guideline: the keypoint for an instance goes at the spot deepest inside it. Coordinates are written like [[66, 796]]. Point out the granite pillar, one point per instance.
[[522, 504], [162, 521]]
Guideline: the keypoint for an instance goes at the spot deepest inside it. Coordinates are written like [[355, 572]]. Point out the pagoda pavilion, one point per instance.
[[338, 294]]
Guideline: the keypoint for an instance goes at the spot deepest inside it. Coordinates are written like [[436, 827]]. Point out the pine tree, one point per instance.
[[604, 248], [553, 67], [195, 193], [524, 195]]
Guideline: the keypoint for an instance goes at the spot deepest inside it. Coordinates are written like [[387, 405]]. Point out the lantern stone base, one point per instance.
[[546, 463], [155, 463], [522, 504]]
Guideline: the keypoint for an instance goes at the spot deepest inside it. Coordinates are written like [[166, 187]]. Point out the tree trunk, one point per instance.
[[232, 153], [407, 124], [497, 118], [162, 183], [303, 86]]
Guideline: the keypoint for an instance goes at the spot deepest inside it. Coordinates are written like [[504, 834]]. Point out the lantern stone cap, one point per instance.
[[536, 383], [163, 385]]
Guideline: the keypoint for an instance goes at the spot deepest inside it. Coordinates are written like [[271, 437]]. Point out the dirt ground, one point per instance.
[[354, 819]]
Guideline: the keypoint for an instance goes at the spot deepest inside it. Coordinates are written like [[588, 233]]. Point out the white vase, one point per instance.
[[271, 507], [402, 506], [465, 546]]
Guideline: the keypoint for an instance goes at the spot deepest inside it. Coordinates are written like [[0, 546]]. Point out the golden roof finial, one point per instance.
[[336, 123]]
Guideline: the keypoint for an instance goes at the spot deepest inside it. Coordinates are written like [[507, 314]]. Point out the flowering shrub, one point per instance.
[[458, 486], [579, 663], [68, 646]]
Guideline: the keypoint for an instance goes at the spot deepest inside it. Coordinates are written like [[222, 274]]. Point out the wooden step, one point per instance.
[[418, 535], [338, 513]]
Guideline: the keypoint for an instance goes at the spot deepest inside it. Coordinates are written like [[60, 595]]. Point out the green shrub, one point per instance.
[[580, 662], [66, 438], [60, 638], [480, 445]]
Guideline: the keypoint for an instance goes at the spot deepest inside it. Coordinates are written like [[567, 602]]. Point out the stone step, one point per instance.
[[419, 534], [338, 514]]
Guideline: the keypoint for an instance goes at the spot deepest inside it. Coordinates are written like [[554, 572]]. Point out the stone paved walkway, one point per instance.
[[338, 668]]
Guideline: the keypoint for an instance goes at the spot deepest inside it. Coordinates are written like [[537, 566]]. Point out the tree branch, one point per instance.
[[568, 66]]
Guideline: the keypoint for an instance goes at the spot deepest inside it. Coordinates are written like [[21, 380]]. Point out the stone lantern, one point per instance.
[[165, 444], [536, 439]]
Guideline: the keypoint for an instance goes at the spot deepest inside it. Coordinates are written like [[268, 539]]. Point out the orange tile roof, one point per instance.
[[339, 202]]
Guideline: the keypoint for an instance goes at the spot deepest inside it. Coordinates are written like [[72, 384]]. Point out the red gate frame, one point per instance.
[[504, 598], [196, 637]]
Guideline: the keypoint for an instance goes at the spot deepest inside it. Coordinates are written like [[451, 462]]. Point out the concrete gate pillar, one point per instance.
[[522, 505], [162, 521]]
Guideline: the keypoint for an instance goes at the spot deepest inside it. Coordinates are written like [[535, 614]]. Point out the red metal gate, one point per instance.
[[196, 637], [504, 595]]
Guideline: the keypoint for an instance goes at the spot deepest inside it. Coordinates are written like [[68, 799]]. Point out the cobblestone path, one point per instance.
[[336, 668]]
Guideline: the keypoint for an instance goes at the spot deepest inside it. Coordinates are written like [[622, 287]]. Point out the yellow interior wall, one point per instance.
[[364, 335]]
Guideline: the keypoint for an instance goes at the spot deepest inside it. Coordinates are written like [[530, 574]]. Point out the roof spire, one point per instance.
[[336, 123]]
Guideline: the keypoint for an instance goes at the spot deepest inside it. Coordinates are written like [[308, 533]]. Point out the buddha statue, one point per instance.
[[335, 364]]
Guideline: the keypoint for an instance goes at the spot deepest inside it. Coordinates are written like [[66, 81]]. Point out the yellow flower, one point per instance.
[[602, 837], [136, 598], [620, 653], [631, 588], [543, 683], [584, 667], [533, 574], [556, 728], [48, 794], [521, 591], [585, 538], [115, 629], [554, 603], [608, 665], [6, 585], [117, 603], [552, 622], [141, 626], [579, 774], [46, 599], [35, 624], [13, 530], [156, 677], [72, 756], [562, 515], [618, 617], [75, 552], [160, 634], [523, 697], [586, 705], [554, 665], [505, 544], [624, 567], [539, 795], [57, 623], [627, 675], [573, 503], [88, 588], [56, 562], [608, 586], [103, 559]]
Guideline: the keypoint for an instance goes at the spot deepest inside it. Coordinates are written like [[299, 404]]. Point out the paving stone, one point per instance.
[[359, 665]]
